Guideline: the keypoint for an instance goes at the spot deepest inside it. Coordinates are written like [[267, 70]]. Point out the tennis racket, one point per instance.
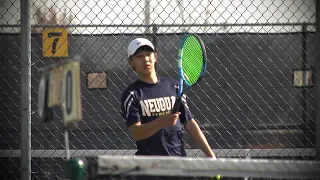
[[191, 66]]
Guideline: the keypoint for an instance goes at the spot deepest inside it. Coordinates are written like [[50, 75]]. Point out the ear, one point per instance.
[[155, 57], [130, 63]]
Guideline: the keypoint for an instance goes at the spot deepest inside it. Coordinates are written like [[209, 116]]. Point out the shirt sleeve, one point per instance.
[[185, 111], [130, 108]]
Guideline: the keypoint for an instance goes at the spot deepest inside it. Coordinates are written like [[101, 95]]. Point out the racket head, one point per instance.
[[191, 62]]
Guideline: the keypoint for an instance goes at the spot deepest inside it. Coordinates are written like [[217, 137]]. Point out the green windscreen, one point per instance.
[[192, 59]]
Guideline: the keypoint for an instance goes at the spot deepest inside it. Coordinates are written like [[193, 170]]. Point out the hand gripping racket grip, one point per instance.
[[176, 106]]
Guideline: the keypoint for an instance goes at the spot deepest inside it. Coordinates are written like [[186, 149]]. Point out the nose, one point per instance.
[[147, 58]]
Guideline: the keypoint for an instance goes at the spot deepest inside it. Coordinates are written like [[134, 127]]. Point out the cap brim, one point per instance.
[[143, 48]]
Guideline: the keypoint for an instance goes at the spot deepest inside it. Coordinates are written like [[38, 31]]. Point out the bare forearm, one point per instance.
[[140, 131], [196, 133]]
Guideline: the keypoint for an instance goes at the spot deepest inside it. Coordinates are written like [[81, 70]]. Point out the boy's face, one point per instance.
[[143, 62]]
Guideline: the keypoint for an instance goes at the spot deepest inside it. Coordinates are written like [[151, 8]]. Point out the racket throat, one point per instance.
[[176, 106]]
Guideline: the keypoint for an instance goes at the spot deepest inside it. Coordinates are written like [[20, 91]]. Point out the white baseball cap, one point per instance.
[[136, 43]]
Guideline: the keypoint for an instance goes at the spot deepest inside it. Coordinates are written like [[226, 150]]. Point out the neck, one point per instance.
[[150, 78]]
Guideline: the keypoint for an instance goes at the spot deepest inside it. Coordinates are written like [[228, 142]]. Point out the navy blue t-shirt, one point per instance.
[[145, 102]]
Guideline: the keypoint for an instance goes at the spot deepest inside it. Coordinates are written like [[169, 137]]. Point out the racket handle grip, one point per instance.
[[176, 106]]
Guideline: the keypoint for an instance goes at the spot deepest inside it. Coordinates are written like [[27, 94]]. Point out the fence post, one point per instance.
[[317, 81], [304, 91], [154, 35], [25, 77]]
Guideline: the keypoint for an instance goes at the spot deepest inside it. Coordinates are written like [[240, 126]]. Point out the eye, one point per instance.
[[139, 55]]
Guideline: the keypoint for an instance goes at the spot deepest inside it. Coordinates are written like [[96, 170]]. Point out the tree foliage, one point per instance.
[[52, 16]]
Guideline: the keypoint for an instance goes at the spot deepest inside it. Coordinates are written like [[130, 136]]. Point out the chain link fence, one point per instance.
[[257, 99]]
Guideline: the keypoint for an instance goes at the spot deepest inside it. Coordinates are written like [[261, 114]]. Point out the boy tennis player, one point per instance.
[[146, 106]]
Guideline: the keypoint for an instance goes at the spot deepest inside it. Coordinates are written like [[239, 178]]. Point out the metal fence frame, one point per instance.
[[25, 90], [318, 80], [25, 56]]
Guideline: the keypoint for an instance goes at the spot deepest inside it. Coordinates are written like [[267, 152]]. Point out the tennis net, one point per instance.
[[50, 164], [125, 165]]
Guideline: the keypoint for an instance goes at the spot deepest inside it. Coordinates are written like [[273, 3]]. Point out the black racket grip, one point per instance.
[[176, 106]]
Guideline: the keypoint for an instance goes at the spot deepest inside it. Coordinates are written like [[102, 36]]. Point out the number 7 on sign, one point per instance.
[[55, 42]]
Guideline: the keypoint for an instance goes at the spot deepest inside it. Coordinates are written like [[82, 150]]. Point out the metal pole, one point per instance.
[[154, 40], [317, 81], [25, 58], [304, 91], [160, 25], [147, 16], [154, 35]]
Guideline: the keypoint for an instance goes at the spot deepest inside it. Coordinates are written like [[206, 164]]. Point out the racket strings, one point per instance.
[[192, 60]]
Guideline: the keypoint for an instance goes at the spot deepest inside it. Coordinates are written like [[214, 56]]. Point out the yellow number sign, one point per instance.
[[55, 42]]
